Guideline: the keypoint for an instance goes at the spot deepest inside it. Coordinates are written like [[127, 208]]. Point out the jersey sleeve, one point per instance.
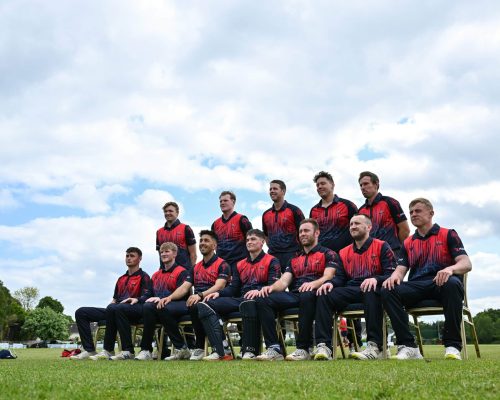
[[387, 261], [146, 288], [397, 213], [224, 271], [245, 225], [234, 286], [340, 277], [331, 259], [351, 209], [455, 245], [181, 278], [298, 216], [274, 271], [264, 226], [190, 239]]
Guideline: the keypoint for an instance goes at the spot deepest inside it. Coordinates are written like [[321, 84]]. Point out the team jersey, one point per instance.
[[386, 213], [251, 274], [374, 259], [231, 233], [180, 234], [308, 267], [281, 228], [426, 255], [165, 281], [334, 222], [137, 286], [205, 274]]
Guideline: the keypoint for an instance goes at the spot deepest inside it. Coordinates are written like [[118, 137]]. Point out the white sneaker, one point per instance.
[[451, 353], [197, 354], [144, 355], [299, 355], [215, 357], [408, 353], [322, 353], [179, 354], [124, 355], [371, 352], [103, 355], [270, 355], [248, 356], [84, 355]]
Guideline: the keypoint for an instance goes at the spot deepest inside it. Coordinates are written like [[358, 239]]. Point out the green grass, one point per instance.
[[42, 374]]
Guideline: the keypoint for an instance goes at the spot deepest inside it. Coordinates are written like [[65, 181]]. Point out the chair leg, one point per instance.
[[353, 330], [336, 337], [470, 321], [384, 335], [228, 338], [465, 356], [159, 341], [419, 335], [281, 338]]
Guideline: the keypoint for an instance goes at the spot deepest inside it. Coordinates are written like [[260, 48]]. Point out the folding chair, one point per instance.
[[101, 326], [184, 322], [291, 315], [233, 318], [434, 307], [354, 311]]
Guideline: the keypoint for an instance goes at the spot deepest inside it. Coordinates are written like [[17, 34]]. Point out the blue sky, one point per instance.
[[108, 109]]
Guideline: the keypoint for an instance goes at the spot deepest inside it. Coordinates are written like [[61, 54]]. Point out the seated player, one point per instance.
[[363, 266], [209, 276], [437, 261], [167, 304], [251, 274], [306, 272], [131, 291]]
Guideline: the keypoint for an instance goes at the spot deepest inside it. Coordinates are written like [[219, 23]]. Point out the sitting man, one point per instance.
[[167, 304], [306, 272], [209, 276], [131, 291], [250, 275], [437, 262], [363, 266]]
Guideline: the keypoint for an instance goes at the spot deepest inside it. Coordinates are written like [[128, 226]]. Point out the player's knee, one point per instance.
[[248, 308], [204, 310]]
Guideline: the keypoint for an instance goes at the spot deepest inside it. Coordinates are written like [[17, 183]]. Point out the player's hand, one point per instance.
[[324, 288], [265, 291], [131, 300], [153, 300], [163, 302], [252, 294], [192, 300], [211, 296], [442, 276], [391, 282], [368, 284], [307, 287]]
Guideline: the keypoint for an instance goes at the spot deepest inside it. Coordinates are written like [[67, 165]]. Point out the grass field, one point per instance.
[[42, 374]]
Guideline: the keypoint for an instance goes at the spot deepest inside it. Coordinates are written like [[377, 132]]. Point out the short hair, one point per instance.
[[228, 192], [422, 200], [373, 177], [368, 219], [173, 204], [310, 221], [210, 233], [280, 183], [168, 246], [256, 232], [323, 174], [136, 250]]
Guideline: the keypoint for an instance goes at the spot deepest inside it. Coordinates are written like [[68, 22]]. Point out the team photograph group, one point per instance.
[[341, 255]]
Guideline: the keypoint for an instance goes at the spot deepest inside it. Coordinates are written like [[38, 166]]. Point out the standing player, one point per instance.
[[230, 230], [280, 224], [176, 232], [209, 276], [304, 275], [363, 267], [167, 304], [257, 270], [131, 291], [437, 261], [388, 218], [332, 213]]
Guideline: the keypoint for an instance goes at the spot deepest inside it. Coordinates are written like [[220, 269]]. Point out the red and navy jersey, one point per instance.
[[180, 234], [137, 285], [281, 228], [205, 274], [165, 281], [334, 223], [386, 213], [426, 255], [374, 259], [251, 274], [231, 244], [308, 267]]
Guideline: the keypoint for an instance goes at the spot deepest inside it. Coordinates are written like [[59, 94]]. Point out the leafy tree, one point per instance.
[[46, 324], [11, 312], [27, 297], [52, 303], [488, 326]]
